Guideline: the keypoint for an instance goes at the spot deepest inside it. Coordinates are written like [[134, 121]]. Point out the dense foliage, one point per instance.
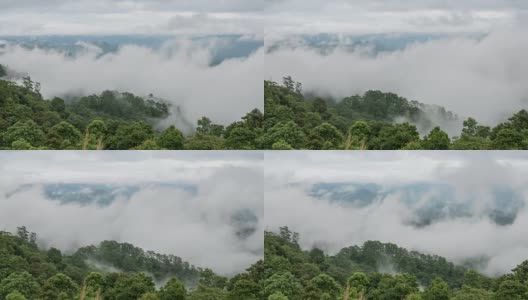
[[110, 121], [112, 271], [3, 72], [376, 271], [375, 121]]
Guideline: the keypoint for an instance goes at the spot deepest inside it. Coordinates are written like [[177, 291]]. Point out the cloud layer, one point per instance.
[[360, 16], [202, 227], [334, 225], [35, 17], [179, 71]]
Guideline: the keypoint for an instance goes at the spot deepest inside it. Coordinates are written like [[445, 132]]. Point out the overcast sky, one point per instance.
[[333, 225], [397, 166], [34, 17], [199, 227], [361, 16], [241, 16]]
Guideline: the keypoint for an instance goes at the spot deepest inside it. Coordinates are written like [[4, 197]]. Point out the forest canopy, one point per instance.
[[377, 271], [110, 121], [111, 271], [375, 121]]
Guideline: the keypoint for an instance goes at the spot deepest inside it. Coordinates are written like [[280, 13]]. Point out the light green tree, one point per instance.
[[278, 296], [437, 140], [149, 296], [511, 290], [64, 136], [242, 138], [59, 287], [321, 287], [359, 133], [414, 296], [325, 136], [173, 290], [149, 144], [21, 282], [15, 296], [508, 139], [437, 290], [25, 130], [208, 293], [171, 139], [94, 283], [469, 293], [289, 132], [245, 289], [281, 145], [284, 283], [358, 284]]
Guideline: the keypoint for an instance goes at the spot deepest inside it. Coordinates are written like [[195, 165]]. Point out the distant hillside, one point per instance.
[[97, 193], [502, 208], [375, 43], [128, 258], [225, 46]]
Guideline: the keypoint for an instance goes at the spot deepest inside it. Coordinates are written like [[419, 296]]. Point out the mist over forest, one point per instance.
[[175, 69], [427, 203], [455, 72], [465, 57], [152, 201], [376, 270]]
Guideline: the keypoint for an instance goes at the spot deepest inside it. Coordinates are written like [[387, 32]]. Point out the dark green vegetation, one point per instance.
[[293, 121], [112, 120], [111, 271], [3, 72], [362, 272]]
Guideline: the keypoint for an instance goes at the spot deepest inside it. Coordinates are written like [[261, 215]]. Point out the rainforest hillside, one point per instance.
[[375, 121], [111, 271], [111, 120], [377, 271]]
